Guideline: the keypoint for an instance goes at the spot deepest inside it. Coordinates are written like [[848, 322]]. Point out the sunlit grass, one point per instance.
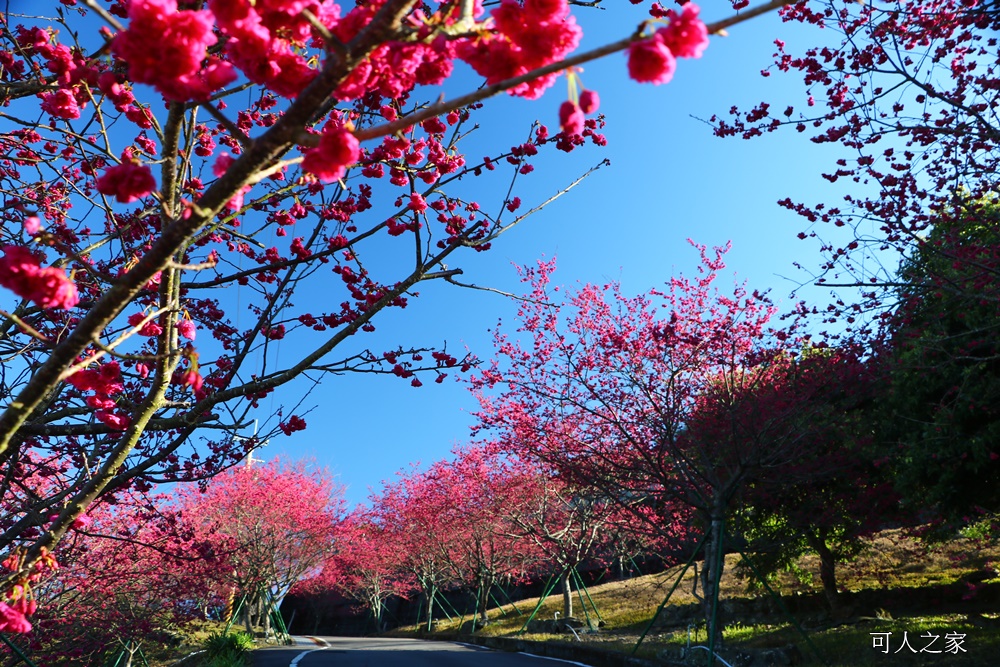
[[892, 561]]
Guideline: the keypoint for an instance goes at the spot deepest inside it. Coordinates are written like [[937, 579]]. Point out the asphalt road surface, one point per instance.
[[376, 652]]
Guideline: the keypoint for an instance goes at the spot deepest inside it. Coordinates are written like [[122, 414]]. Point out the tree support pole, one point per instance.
[[784, 609], [20, 654], [671, 592], [441, 606], [583, 605], [583, 587], [719, 528], [232, 617], [511, 602], [548, 589]]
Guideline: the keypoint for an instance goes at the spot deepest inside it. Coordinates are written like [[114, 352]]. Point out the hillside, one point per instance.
[[898, 585]]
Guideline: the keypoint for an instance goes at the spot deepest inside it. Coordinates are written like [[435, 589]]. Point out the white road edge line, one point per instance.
[[296, 659], [533, 655], [545, 657]]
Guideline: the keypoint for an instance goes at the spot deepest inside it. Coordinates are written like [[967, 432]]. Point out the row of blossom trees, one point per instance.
[[141, 567], [473, 522]]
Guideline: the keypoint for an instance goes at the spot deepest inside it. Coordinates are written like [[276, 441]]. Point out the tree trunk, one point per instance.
[[265, 613], [567, 593], [376, 605], [711, 576], [483, 602], [248, 616], [827, 569], [430, 607]]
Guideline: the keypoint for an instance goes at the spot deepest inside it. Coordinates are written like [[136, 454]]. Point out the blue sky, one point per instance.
[[669, 180]]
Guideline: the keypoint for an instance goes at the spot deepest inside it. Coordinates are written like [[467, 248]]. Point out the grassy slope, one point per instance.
[[892, 561]]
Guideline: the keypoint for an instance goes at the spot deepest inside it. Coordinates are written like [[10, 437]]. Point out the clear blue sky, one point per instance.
[[669, 180]]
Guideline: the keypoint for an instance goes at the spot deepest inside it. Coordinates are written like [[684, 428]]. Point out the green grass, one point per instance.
[[891, 561], [227, 649]]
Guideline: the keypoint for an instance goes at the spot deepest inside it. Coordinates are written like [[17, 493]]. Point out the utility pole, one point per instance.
[[250, 459]]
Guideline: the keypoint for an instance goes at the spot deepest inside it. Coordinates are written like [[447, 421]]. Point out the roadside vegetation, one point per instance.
[[915, 581]]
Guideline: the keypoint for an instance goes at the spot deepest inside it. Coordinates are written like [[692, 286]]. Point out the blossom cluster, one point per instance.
[[104, 381], [527, 37], [21, 272], [654, 60], [18, 603]]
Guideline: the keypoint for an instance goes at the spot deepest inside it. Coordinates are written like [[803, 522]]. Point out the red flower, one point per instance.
[[165, 47], [417, 203], [116, 422], [11, 620], [589, 101], [127, 181], [650, 61], [193, 378], [570, 118], [686, 35], [21, 273], [61, 104], [187, 329], [337, 150], [149, 329], [294, 423]]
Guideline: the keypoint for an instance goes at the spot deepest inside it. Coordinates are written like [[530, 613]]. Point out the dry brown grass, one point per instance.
[[891, 560]]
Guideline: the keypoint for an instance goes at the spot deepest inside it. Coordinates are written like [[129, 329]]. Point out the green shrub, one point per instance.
[[229, 649]]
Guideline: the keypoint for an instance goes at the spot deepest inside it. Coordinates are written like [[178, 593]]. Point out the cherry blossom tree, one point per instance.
[[906, 94], [180, 173], [367, 565], [663, 399], [485, 493], [120, 573], [566, 522], [274, 524], [417, 509]]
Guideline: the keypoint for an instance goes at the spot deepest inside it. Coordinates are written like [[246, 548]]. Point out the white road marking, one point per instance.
[[296, 659], [533, 655], [545, 657]]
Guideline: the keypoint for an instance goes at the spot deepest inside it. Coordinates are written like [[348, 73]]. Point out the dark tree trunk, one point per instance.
[[827, 569], [483, 602], [711, 576]]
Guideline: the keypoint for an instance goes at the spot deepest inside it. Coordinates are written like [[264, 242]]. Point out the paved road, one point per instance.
[[375, 652]]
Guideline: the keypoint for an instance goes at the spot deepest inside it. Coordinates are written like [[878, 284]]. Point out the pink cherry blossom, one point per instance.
[[650, 61], [21, 272], [127, 182], [686, 36], [61, 104], [570, 118], [12, 620], [166, 47], [116, 422], [589, 101], [337, 150], [187, 329]]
